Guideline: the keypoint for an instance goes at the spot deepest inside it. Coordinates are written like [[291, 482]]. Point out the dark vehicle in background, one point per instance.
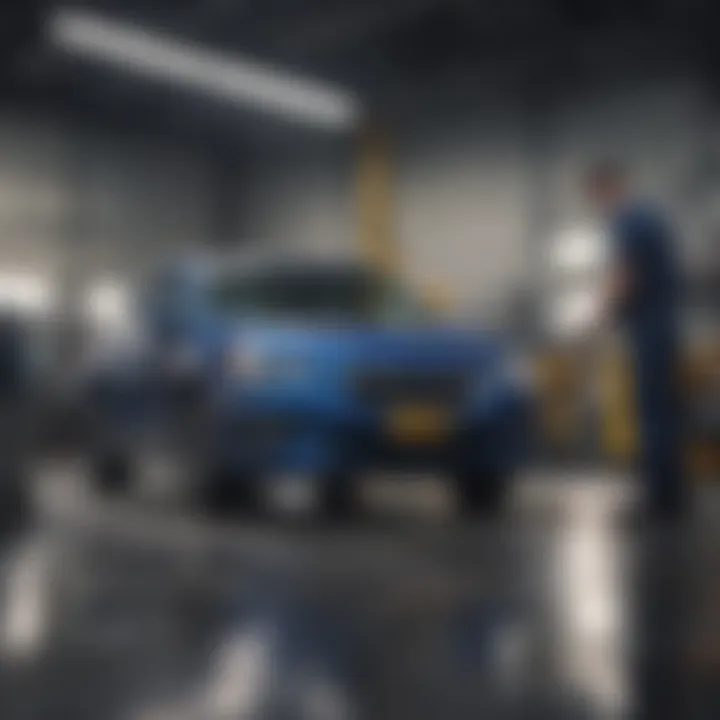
[[17, 405]]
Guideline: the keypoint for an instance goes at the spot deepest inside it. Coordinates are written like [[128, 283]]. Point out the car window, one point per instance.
[[318, 295]]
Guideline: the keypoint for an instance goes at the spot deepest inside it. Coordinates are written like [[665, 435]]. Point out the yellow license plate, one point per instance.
[[419, 424]]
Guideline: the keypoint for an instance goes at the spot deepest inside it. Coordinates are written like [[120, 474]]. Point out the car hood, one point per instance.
[[428, 346]]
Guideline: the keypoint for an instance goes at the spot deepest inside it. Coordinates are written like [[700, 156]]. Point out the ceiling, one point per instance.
[[400, 55]]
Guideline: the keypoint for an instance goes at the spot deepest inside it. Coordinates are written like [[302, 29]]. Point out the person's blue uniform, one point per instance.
[[643, 243]]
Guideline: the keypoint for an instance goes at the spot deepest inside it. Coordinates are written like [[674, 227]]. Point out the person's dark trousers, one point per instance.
[[660, 418]]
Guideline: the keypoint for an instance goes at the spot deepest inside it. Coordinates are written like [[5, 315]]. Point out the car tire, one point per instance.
[[110, 473], [224, 491], [338, 497], [482, 494]]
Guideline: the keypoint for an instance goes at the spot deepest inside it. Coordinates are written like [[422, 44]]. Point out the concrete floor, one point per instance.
[[116, 609]]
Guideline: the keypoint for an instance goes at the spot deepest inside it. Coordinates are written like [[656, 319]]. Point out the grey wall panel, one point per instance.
[[34, 197], [303, 203], [462, 207], [140, 201], [75, 205]]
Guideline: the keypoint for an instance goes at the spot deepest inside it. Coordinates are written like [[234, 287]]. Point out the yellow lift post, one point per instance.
[[376, 210]]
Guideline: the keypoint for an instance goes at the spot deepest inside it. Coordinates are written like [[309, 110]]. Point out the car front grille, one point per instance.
[[382, 387]]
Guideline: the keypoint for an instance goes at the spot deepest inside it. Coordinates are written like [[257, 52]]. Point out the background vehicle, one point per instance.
[[18, 377], [311, 371]]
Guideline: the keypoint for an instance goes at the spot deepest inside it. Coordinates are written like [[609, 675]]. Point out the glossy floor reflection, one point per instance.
[[120, 611]]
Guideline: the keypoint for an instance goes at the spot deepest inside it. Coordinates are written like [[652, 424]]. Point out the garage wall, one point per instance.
[[140, 200], [659, 130], [460, 220], [34, 196], [468, 184], [463, 205], [303, 201], [75, 204], [467, 187]]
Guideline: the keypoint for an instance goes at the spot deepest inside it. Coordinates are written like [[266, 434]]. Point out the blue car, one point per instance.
[[310, 371]]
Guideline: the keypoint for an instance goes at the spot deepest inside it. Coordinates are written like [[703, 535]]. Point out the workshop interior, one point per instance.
[[324, 390]]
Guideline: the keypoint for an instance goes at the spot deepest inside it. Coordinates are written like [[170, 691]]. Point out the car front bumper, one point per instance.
[[278, 435]]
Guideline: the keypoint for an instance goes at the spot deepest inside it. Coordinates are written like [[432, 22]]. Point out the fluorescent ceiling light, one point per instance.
[[235, 78]]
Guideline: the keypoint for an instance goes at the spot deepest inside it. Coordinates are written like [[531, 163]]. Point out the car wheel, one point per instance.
[[482, 494], [110, 473], [338, 496], [224, 491]]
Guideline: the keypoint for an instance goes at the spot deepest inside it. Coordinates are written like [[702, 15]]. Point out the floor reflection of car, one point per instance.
[[314, 372]]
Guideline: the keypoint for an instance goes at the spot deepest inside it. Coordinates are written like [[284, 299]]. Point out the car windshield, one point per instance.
[[318, 295]]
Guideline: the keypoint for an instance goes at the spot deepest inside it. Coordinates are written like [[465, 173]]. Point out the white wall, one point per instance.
[[462, 207]]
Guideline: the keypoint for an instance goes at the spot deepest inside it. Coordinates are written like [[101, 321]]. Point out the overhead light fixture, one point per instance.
[[233, 78]]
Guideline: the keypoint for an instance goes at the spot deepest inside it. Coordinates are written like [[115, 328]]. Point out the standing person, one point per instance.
[[642, 294]]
